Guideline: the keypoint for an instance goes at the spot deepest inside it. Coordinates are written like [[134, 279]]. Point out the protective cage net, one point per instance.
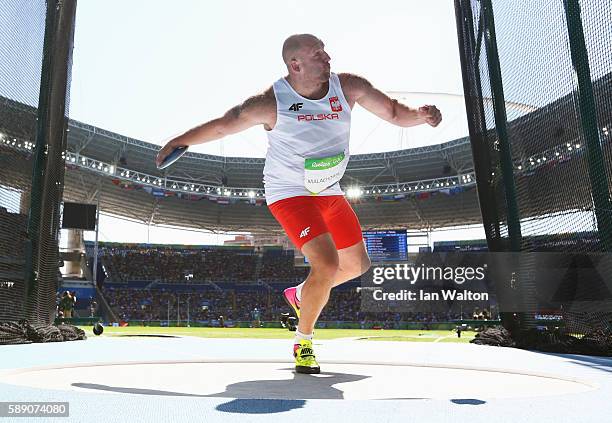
[[35, 59], [543, 166]]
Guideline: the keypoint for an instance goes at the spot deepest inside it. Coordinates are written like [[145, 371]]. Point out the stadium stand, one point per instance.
[[161, 283]]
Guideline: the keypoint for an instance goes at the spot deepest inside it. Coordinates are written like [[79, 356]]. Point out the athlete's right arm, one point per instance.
[[257, 110]]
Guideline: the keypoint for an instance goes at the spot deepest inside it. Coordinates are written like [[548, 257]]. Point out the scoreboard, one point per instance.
[[386, 245]]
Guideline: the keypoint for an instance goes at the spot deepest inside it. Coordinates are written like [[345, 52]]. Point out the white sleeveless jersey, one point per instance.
[[305, 130]]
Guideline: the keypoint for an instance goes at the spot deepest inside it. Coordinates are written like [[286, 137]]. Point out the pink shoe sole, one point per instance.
[[291, 300]]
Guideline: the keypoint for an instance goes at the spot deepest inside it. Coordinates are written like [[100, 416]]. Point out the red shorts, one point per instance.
[[305, 217]]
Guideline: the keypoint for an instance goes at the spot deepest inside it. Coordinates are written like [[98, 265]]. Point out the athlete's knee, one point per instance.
[[325, 269], [356, 266], [323, 257]]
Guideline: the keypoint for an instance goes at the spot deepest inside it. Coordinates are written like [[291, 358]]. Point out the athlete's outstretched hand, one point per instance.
[[430, 114]]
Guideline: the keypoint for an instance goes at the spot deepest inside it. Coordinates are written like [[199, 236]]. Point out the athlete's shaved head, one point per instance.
[[293, 45], [306, 59]]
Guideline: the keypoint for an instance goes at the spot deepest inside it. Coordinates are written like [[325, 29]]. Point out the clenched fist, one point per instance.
[[430, 114]]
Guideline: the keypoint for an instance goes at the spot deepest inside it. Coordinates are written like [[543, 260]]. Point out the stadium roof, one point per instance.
[[380, 171], [424, 187]]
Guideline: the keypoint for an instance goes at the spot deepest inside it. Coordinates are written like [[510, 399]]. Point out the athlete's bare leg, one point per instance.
[[353, 261], [329, 268], [324, 264]]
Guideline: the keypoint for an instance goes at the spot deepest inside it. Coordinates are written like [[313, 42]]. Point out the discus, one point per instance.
[[176, 154]]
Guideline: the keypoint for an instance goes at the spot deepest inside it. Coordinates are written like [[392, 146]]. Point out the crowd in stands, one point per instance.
[[171, 264], [278, 265], [198, 305], [203, 284], [237, 305]]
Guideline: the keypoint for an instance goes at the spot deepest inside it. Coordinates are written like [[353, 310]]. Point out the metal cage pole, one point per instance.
[[470, 52], [42, 249], [95, 262], [501, 120], [588, 119]]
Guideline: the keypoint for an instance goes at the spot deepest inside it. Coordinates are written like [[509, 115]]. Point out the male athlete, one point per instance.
[[307, 116]]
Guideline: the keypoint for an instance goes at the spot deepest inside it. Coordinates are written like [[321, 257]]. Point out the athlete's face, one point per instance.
[[315, 61]]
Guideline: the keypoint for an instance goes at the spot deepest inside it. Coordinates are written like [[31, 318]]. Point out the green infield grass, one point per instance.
[[271, 333]]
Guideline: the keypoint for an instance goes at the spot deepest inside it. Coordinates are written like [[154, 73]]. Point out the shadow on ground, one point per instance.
[[259, 396]]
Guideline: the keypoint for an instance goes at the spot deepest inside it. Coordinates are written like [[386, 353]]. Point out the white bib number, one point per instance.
[[323, 172]]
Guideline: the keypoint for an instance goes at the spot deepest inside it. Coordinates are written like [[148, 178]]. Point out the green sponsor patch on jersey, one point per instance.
[[324, 163]]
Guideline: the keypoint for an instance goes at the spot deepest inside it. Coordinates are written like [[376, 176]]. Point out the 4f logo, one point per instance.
[[296, 107], [335, 104], [305, 232]]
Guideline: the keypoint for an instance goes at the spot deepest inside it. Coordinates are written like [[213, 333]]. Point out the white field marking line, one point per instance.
[[357, 338], [17, 371], [162, 334], [443, 337], [126, 336]]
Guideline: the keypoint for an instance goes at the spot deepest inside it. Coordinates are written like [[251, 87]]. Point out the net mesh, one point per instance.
[[35, 60], [543, 166], [21, 57]]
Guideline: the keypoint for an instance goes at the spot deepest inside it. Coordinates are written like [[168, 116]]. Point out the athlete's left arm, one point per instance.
[[372, 99]]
